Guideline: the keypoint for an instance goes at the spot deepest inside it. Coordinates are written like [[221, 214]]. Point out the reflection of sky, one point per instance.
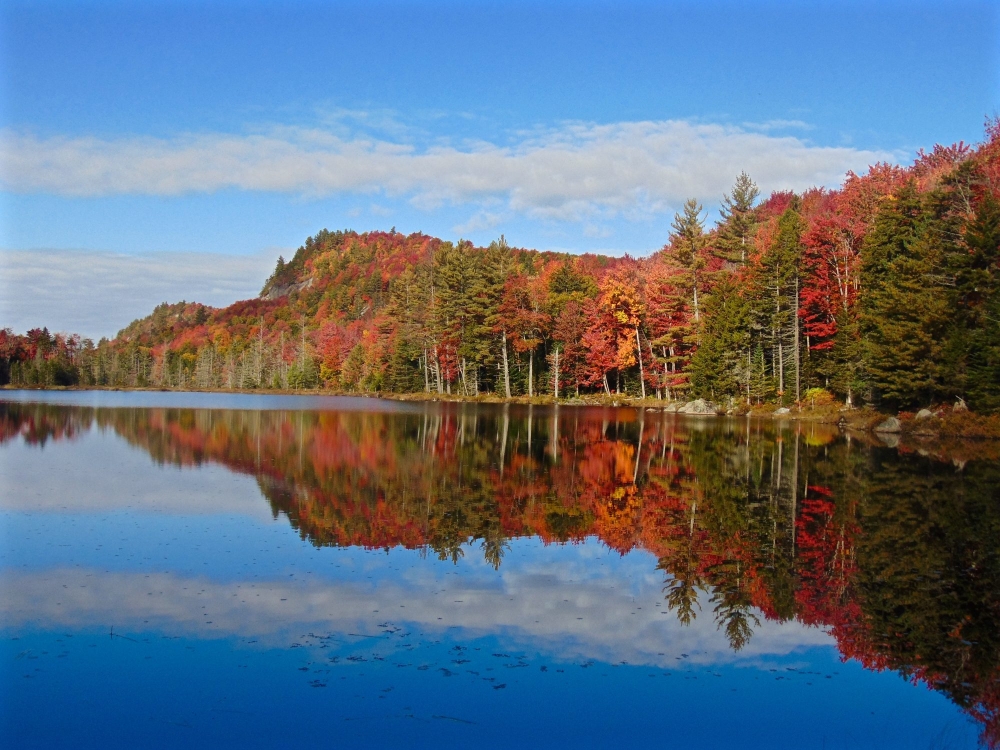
[[194, 400], [190, 561]]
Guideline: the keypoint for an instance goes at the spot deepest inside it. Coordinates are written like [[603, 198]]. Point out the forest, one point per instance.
[[885, 292]]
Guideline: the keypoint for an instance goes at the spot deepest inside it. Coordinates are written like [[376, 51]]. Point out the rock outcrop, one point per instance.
[[283, 291]]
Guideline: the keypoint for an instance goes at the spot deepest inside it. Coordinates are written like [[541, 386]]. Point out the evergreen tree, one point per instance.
[[848, 354], [498, 267], [457, 277], [978, 289], [775, 304], [906, 308], [409, 301], [735, 237], [686, 251], [718, 366]]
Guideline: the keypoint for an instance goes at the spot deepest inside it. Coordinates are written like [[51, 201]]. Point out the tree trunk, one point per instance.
[[555, 380], [437, 372], [666, 376], [506, 367], [697, 317], [531, 373], [781, 370], [642, 376], [749, 374]]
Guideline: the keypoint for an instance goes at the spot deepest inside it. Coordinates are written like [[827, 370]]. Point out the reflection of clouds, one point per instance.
[[593, 619]]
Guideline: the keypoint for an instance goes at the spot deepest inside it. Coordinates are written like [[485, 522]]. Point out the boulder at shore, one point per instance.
[[698, 406], [890, 425]]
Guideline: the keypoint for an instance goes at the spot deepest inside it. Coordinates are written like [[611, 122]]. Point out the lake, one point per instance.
[[210, 570]]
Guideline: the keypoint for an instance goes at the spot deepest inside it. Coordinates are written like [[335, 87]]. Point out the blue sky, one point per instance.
[[199, 129]]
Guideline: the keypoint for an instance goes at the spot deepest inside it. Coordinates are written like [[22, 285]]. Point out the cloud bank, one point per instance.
[[98, 293], [573, 172]]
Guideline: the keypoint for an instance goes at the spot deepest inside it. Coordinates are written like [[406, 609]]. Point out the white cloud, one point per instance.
[[479, 221], [97, 293], [574, 172]]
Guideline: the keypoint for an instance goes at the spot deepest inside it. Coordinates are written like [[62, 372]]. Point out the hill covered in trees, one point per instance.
[[884, 291]]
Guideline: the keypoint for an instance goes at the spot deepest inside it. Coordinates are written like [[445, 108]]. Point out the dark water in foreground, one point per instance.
[[282, 572]]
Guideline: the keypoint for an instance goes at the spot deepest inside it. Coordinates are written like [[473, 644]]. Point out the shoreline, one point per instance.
[[943, 424]]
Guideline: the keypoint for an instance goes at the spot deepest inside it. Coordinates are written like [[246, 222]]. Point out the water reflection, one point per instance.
[[895, 553]]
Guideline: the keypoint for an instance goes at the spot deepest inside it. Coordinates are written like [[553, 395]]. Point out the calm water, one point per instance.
[[238, 571]]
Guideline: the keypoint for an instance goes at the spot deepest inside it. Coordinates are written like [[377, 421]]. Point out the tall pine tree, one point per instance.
[[905, 305], [735, 237]]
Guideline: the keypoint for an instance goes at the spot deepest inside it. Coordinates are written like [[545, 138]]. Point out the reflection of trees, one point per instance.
[[40, 423], [897, 555], [495, 545], [928, 578]]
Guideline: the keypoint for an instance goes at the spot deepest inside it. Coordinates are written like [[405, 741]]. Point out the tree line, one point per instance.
[[885, 291]]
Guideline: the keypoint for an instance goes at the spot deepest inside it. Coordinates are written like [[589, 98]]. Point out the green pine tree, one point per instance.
[[774, 314], [686, 251], [735, 237], [908, 303], [978, 288], [718, 367]]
